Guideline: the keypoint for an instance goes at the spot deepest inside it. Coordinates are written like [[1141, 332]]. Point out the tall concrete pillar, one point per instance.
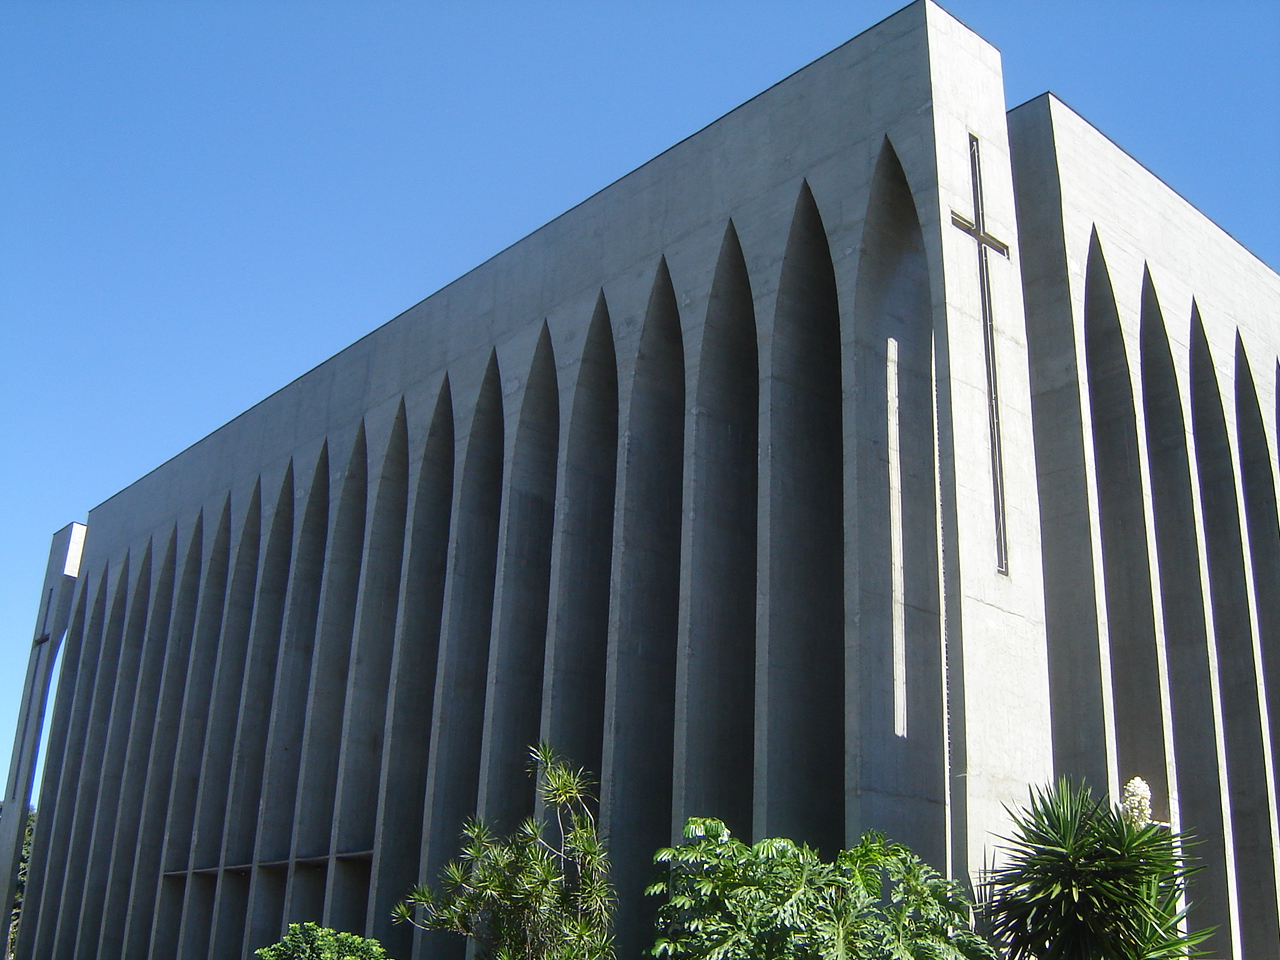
[[195, 833], [517, 651], [640, 682], [1196, 737], [577, 640], [270, 839], [453, 764], [397, 844], [361, 741], [56, 593], [326, 696], [1249, 785], [229, 840], [715, 698], [60, 822]]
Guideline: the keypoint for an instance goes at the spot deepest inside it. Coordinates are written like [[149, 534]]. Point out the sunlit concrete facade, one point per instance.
[[863, 459]]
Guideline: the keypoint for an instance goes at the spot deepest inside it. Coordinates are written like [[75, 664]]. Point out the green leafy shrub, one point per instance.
[[306, 941], [20, 888], [775, 900], [542, 893], [1084, 881]]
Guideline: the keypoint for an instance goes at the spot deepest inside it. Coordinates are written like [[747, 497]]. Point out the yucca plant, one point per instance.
[[541, 894], [1083, 881]]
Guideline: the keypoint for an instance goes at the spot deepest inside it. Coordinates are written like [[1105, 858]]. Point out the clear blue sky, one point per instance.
[[201, 201]]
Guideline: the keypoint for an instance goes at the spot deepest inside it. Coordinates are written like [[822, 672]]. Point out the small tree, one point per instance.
[[779, 901], [542, 893], [307, 941], [1084, 881], [20, 888]]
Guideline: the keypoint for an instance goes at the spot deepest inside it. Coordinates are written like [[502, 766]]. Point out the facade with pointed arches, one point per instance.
[[869, 456]]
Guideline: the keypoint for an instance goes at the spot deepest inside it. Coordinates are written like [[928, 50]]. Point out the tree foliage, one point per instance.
[[1085, 881], [775, 900], [20, 889], [306, 941], [542, 893]]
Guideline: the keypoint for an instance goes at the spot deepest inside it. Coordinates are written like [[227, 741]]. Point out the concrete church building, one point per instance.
[[866, 457]]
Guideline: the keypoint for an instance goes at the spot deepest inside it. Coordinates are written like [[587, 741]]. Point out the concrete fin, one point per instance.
[[1252, 807], [640, 682], [190, 615], [138, 841], [89, 780], [453, 767], [54, 855], [194, 712], [255, 697], [166, 601], [326, 697], [55, 760], [412, 683], [1196, 754], [274, 832], [1258, 484], [800, 694], [574, 694], [1131, 628], [205, 831], [94, 870], [715, 716], [370, 673], [517, 653]]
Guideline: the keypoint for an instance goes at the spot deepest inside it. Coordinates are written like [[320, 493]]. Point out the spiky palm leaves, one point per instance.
[[542, 893], [1083, 882]]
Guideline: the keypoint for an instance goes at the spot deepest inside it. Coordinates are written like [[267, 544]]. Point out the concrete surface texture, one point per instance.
[[856, 463]]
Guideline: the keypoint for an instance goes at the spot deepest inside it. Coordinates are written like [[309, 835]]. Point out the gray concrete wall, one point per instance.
[[1154, 339], [698, 481]]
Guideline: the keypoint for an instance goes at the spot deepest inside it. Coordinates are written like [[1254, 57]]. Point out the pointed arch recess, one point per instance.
[[171, 628], [899, 658], [202, 827], [55, 760], [573, 701], [82, 801], [640, 714], [49, 881], [224, 703], [94, 868], [413, 679], [327, 695], [273, 833], [715, 707], [1258, 483], [458, 714], [1126, 567], [255, 707], [199, 829], [174, 882], [104, 915], [357, 748], [1238, 683], [513, 708], [1186, 636], [800, 697], [168, 768]]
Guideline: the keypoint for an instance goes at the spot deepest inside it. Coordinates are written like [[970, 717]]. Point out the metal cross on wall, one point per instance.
[[977, 228]]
